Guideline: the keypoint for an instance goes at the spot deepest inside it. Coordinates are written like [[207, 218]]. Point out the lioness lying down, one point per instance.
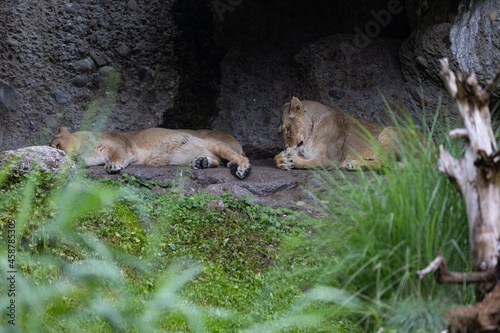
[[156, 146], [319, 136]]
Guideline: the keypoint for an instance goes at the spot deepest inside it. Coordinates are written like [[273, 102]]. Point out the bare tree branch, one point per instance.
[[444, 275], [459, 133]]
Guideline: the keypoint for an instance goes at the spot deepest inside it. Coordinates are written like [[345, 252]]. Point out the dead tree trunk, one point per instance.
[[477, 177]]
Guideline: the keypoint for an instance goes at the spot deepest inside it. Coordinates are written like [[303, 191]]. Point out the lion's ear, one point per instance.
[[285, 108], [62, 130], [296, 107]]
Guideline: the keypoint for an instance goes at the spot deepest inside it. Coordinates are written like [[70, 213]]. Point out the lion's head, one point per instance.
[[295, 124], [64, 140]]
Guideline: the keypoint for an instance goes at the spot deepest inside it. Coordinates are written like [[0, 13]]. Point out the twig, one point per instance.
[[433, 266], [459, 133], [443, 275]]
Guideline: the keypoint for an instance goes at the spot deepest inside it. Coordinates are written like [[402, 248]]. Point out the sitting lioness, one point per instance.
[[319, 136], [156, 146]]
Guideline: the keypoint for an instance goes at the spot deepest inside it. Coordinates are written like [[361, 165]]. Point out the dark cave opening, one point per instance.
[[210, 29], [238, 59], [198, 61], [289, 24]]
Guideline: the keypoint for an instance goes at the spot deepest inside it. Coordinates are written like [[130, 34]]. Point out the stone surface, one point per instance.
[[337, 72], [80, 81], [45, 44], [464, 31], [84, 65], [265, 184], [43, 158], [104, 71], [123, 50], [9, 98], [252, 93], [419, 57], [60, 97], [475, 39], [99, 62], [132, 5]]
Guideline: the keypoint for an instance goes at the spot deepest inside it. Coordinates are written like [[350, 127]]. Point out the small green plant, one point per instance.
[[126, 179]]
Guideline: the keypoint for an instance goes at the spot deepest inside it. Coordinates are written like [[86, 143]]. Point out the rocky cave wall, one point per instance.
[[467, 32], [280, 49], [356, 55], [55, 56], [231, 64]]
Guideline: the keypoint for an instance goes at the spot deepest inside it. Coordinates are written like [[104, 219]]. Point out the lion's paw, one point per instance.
[[239, 170], [203, 163], [353, 165], [113, 167], [284, 161]]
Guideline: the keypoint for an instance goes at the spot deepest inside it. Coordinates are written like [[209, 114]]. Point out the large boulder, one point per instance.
[[337, 72], [475, 39], [420, 56], [42, 158], [464, 31]]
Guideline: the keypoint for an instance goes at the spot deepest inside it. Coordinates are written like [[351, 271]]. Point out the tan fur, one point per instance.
[[319, 136], [155, 146]]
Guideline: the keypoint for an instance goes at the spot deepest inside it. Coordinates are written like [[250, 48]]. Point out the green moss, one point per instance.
[[102, 255]]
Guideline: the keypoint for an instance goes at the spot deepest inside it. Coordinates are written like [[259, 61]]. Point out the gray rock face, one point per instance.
[[43, 158], [132, 5], [84, 65], [419, 57], [467, 34], [9, 97], [60, 97], [80, 81], [123, 50], [335, 72], [253, 89], [49, 47], [475, 39]]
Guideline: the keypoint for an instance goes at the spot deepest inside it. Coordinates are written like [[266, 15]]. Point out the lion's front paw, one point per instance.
[[239, 170], [284, 161], [203, 163], [364, 163], [353, 165], [113, 167]]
